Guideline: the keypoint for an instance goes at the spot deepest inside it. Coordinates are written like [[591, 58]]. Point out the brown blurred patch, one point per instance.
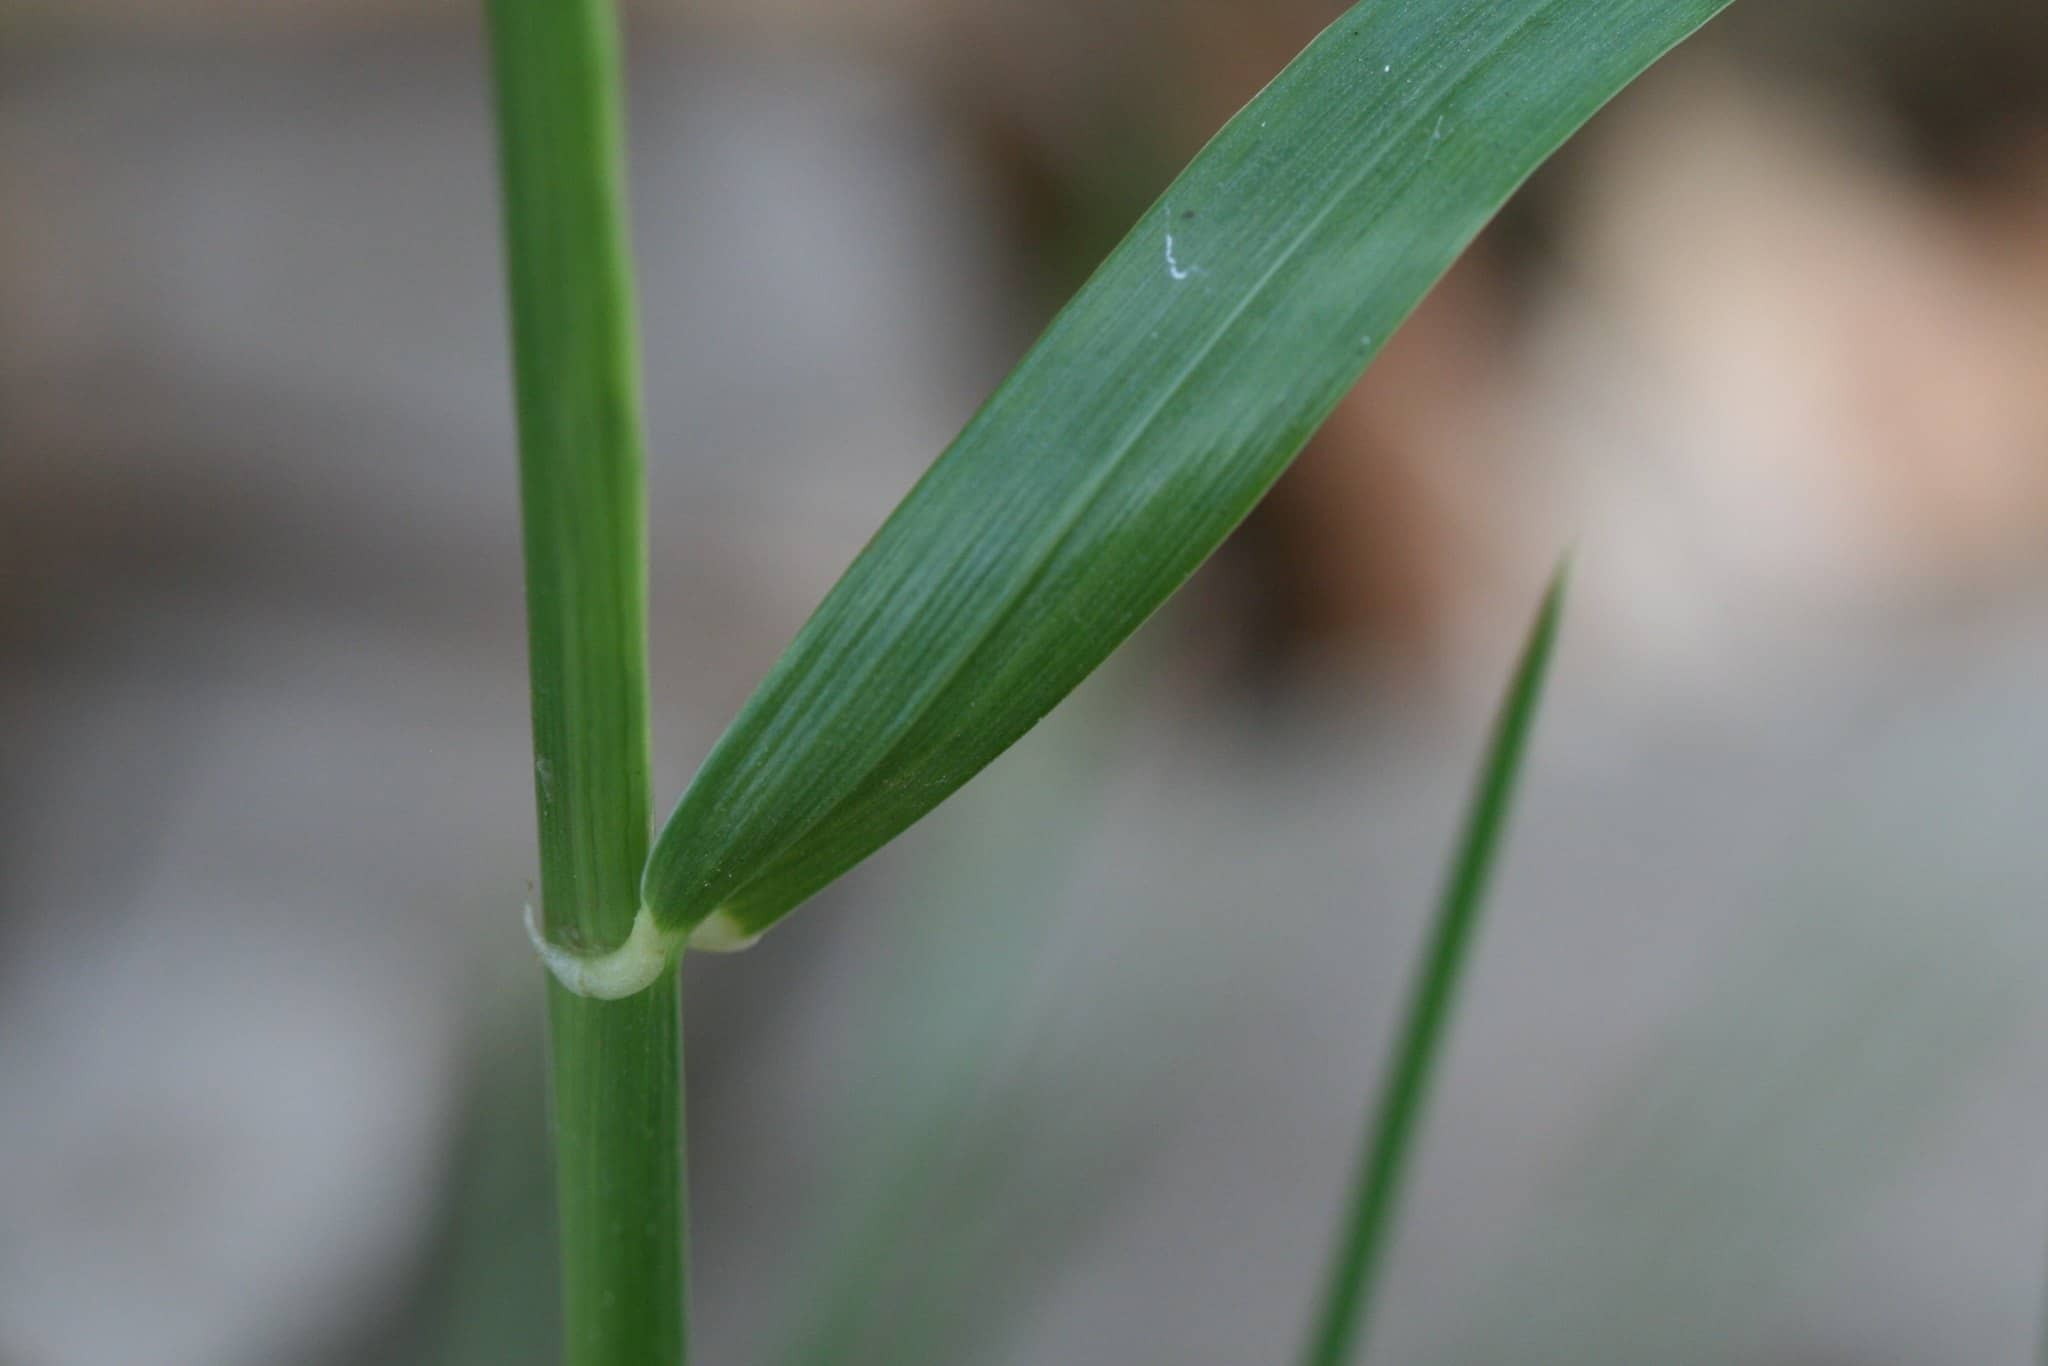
[[1780, 376], [1380, 528]]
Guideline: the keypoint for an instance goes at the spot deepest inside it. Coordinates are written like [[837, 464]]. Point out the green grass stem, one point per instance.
[[616, 1065]]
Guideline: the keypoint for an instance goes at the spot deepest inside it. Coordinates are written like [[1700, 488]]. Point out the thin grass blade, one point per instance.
[[1404, 1096], [1157, 408]]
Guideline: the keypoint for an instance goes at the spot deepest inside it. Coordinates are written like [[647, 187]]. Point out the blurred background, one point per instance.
[[1754, 1061]]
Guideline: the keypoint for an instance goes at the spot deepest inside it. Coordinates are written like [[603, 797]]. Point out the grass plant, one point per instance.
[[1158, 407]]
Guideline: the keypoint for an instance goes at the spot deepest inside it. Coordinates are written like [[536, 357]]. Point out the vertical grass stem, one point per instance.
[[616, 1065]]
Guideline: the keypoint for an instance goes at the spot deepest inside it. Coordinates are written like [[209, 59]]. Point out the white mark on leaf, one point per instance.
[[1173, 267]]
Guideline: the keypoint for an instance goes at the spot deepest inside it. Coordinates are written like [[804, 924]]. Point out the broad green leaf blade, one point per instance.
[[1161, 403], [1383, 1165]]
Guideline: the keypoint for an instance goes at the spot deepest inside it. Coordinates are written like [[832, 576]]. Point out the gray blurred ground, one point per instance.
[[1752, 1065]]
